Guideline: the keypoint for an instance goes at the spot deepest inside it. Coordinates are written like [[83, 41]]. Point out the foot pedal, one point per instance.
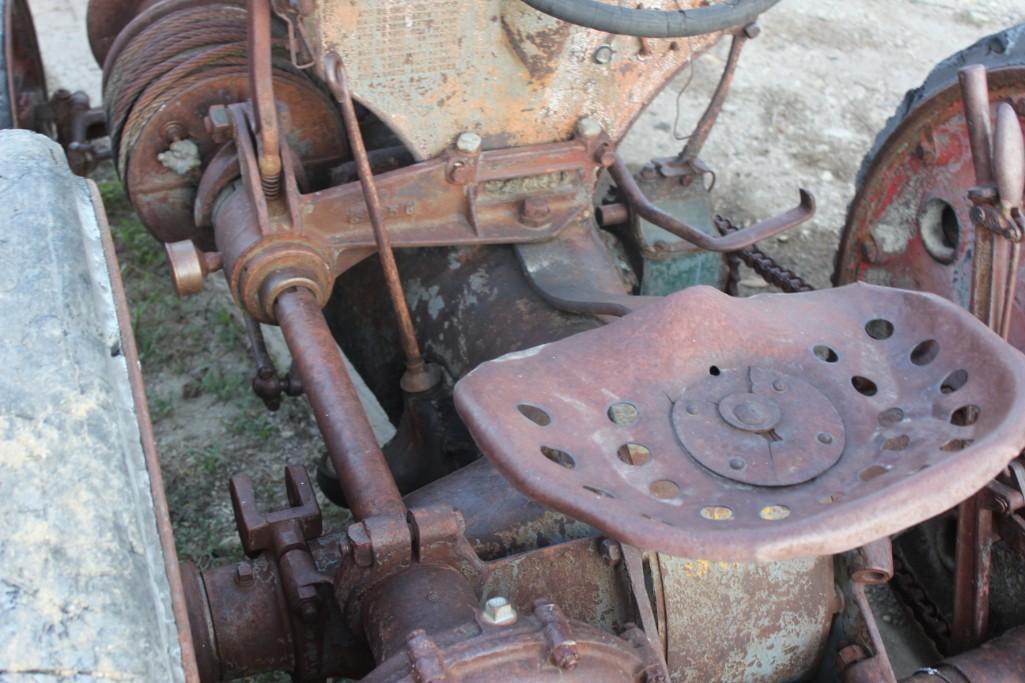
[[766, 428]]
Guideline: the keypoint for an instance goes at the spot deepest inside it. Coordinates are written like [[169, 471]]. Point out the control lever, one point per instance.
[[1009, 175], [733, 241]]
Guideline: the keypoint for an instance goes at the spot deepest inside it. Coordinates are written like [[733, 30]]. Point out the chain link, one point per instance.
[[771, 271], [925, 611]]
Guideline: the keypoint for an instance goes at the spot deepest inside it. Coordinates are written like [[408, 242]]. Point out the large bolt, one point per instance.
[[499, 612], [752, 31], [468, 143], [359, 543], [535, 211], [218, 124], [588, 128], [244, 574]]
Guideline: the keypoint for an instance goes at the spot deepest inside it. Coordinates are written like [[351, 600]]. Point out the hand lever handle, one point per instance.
[[1008, 158], [733, 241]]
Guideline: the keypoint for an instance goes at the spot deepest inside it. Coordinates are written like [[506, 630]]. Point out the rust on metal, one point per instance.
[[416, 372], [757, 260], [498, 68], [23, 68], [731, 241], [1001, 659], [763, 436], [261, 94], [149, 446], [880, 361], [723, 620], [909, 226], [696, 140], [362, 470]]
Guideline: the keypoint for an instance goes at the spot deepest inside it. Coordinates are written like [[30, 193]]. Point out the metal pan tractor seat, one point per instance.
[[766, 428]]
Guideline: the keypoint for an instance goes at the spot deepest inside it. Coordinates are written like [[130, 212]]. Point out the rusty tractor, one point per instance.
[[605, 466]]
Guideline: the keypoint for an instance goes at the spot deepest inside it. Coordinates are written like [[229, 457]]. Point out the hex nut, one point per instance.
[[499, 612], [468, 143]]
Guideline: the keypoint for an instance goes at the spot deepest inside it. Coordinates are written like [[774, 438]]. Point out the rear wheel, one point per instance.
[[908, 224], [23, 85], [908, 227]]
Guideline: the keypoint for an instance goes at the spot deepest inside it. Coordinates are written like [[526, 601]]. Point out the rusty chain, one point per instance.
[[925, 611], [771, 271]]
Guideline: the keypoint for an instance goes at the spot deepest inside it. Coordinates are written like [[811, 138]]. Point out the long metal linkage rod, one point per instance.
[[974, 523], [697, 138], [416, 378], [363, 473], [261, 83]]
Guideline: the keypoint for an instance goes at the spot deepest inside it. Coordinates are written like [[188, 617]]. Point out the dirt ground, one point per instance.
[[808, 98]]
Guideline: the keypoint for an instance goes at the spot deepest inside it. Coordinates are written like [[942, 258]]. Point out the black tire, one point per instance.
[[1002, 49], [6, 101], [22, 79], [926, 550]]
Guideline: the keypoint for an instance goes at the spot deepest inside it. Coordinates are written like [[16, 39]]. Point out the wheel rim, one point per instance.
[[908, 225]]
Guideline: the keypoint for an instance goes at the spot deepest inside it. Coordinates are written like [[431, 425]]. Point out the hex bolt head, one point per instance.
[[535, 211], [499, 612], [244, 574], [588, 128], [218, 124], [603, 54], [360, 546], [468, 143], [752, 31]]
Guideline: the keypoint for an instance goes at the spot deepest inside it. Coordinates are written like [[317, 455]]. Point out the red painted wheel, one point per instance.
[[23, 87], [908, 224]]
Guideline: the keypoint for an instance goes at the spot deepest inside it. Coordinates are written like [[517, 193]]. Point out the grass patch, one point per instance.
[[208, 423]]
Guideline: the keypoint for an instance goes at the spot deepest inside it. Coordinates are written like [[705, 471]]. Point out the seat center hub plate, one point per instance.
[[759, 426]]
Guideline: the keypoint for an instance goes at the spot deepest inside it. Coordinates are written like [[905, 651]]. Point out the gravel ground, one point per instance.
[[808, 98]]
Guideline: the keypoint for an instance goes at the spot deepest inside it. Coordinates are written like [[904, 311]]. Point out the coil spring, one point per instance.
[[165, 58]]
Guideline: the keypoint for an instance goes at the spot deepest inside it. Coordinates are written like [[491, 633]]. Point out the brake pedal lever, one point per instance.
[[733, 241]]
